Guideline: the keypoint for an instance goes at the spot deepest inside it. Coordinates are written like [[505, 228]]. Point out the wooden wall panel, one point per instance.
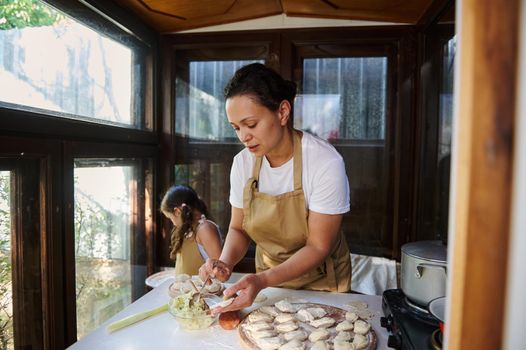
[[483, 150]]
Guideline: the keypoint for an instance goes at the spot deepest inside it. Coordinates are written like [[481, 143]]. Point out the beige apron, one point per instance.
[[188, 259], [278, 225]]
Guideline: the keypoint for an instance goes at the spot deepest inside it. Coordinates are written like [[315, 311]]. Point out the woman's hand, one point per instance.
[[215, 268], [244, 291]]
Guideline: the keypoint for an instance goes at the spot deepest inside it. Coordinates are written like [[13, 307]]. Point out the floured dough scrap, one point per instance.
[[358, 305], [294, 344], [270, 310], [344, 326], [257, 326], [319, 334], [266, 333], [286, 327], [316, 312], [298, 334], [351, 316], [361, 327], [271, 343], [320, 345], [323, 322], [284, 317], [285, 306], [260, 317], [343, 336], [360, 341], [304, 316], [343, 345]]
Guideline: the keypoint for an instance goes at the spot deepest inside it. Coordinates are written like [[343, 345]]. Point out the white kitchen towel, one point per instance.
[[372, 274]]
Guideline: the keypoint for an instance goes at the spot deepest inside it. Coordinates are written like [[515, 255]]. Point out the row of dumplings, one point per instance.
[[269, 322], [185, 283]]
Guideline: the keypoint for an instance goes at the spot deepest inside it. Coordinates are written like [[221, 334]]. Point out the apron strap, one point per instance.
[[297, 160]]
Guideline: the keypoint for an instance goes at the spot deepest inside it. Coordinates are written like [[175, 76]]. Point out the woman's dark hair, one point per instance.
[[186, 199], [264, 84]]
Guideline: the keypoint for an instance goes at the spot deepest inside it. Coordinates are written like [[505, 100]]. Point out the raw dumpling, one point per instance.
[[286, 327], [260, 317], [257, 326], [284, 317], [266, 333], [270, 310], [319, 334], [320, 345], [343, 345], [360, 341], [297, 334], [285, 306], [323, 322], [343, 336], [361, 327], [182, 277], [351, 316], [344, 326], [304, 316], [294, 344], [269, 343], [316, 312]]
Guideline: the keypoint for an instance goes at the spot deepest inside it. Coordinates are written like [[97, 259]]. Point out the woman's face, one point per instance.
[[257, 127]]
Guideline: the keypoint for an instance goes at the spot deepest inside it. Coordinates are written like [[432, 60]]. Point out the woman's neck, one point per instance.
[[283, 152]]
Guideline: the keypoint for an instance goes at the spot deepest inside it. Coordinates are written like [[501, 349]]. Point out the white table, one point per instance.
[[162, 331]]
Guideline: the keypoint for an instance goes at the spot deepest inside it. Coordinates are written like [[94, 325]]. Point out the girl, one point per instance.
[[194, 238]]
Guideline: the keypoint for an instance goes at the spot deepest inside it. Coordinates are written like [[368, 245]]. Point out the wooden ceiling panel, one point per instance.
[[397, 11], [177, 15]]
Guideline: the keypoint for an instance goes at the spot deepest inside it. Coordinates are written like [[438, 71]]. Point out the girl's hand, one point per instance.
[[244, 291], [215, 268]]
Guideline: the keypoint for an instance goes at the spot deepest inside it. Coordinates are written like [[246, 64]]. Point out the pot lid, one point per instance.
[[437, 308], [427, 250]]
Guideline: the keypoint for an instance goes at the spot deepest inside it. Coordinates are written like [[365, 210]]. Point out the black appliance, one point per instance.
[[410, 327]]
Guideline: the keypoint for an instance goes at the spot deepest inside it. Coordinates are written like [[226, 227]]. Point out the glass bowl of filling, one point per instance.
[[192, 310]]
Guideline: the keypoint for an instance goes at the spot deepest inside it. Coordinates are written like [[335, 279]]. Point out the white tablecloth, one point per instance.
[[162, 331]]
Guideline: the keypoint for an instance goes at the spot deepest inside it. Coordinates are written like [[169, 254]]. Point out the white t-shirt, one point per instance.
[[324, 181]]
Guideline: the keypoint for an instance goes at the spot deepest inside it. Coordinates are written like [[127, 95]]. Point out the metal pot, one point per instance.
[[424, 271]]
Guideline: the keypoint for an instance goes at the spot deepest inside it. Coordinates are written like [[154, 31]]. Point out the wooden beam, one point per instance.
[[482, 173]]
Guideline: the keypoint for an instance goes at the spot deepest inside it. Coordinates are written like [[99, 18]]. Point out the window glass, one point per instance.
[[200, 106], [445, 118], [50, 61], [103, 204], [343, 98], [6, 300]]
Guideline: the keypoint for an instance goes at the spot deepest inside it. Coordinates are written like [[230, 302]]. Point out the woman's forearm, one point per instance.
[[235, 248], [303, 261]]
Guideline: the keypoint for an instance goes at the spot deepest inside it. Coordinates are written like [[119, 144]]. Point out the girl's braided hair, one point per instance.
[[186, 199]]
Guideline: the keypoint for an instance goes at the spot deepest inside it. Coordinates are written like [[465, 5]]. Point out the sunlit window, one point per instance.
[[6, 300], [200, 105], [343, 98], [102, 242], [50, 61]]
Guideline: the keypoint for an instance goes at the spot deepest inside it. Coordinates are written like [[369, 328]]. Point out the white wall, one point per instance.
[[282, 21], [515, 312]]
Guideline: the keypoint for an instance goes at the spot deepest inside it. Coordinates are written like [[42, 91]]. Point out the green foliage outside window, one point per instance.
[[26, 13], [6, 314]]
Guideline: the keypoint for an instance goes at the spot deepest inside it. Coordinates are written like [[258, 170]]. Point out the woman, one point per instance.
[[289, 191], [194, 238]]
